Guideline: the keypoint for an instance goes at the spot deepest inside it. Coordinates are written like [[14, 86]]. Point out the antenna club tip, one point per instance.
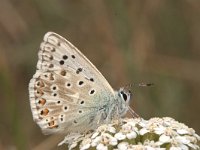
[[146, 84]]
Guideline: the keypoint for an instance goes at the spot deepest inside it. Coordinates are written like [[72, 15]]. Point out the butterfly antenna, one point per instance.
[[145, 84], [139, 85]]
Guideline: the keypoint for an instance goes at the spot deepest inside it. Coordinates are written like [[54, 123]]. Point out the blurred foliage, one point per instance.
[[129, 42]]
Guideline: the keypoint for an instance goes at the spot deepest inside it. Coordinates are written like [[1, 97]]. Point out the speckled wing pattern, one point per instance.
[[67, 90]]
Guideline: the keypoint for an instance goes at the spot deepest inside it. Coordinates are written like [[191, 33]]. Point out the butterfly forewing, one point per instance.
[[66, 90]]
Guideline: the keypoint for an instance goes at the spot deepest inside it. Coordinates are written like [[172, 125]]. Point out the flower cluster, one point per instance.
[[128, 134]]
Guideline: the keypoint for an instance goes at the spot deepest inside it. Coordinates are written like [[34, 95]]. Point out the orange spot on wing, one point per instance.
[[39, 83], [42, 101], [44, 112], [51, 77], [52, 125], [63, 72], [39, 92]]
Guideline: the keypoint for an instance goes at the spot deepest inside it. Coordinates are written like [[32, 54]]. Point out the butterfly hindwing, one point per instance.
[[67, 89]]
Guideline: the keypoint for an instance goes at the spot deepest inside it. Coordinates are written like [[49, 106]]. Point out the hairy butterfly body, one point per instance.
[[68, 94]]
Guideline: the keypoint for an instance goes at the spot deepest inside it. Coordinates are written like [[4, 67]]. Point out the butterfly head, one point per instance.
[[124, 96]]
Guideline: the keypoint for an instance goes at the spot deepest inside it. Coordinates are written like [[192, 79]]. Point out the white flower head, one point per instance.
[[120, 136], [137, 134]]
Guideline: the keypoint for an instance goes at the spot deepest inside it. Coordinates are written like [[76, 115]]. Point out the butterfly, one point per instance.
[[68, 94]]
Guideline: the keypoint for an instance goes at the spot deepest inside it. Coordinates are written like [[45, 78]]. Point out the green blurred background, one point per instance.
[[129, 41]]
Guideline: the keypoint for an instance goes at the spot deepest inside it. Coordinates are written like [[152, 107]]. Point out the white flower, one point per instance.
[[175, 148], [106, 138], [144, 131], [164, 139], [160, 130], [137, 134], [102, 128], [85, 144], [149, 143], [182, 139], [197, 136], [150, 148], [84, 147], [177, 142], [120, 136], [182, 131], [96, 140], [123, 146], [73, 145], [130, 130], [111, 129], [131, 135], [137, 147], [101, 147], [149, 126], [95, 135], [113, 141]]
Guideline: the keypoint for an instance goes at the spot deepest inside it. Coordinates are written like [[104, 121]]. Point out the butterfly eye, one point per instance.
[[123, 95]]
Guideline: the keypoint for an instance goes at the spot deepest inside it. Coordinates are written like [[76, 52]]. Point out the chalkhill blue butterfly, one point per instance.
[[68, 94]]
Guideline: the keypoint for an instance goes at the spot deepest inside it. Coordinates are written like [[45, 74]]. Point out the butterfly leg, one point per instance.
[[133, 113], [119, 119]]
